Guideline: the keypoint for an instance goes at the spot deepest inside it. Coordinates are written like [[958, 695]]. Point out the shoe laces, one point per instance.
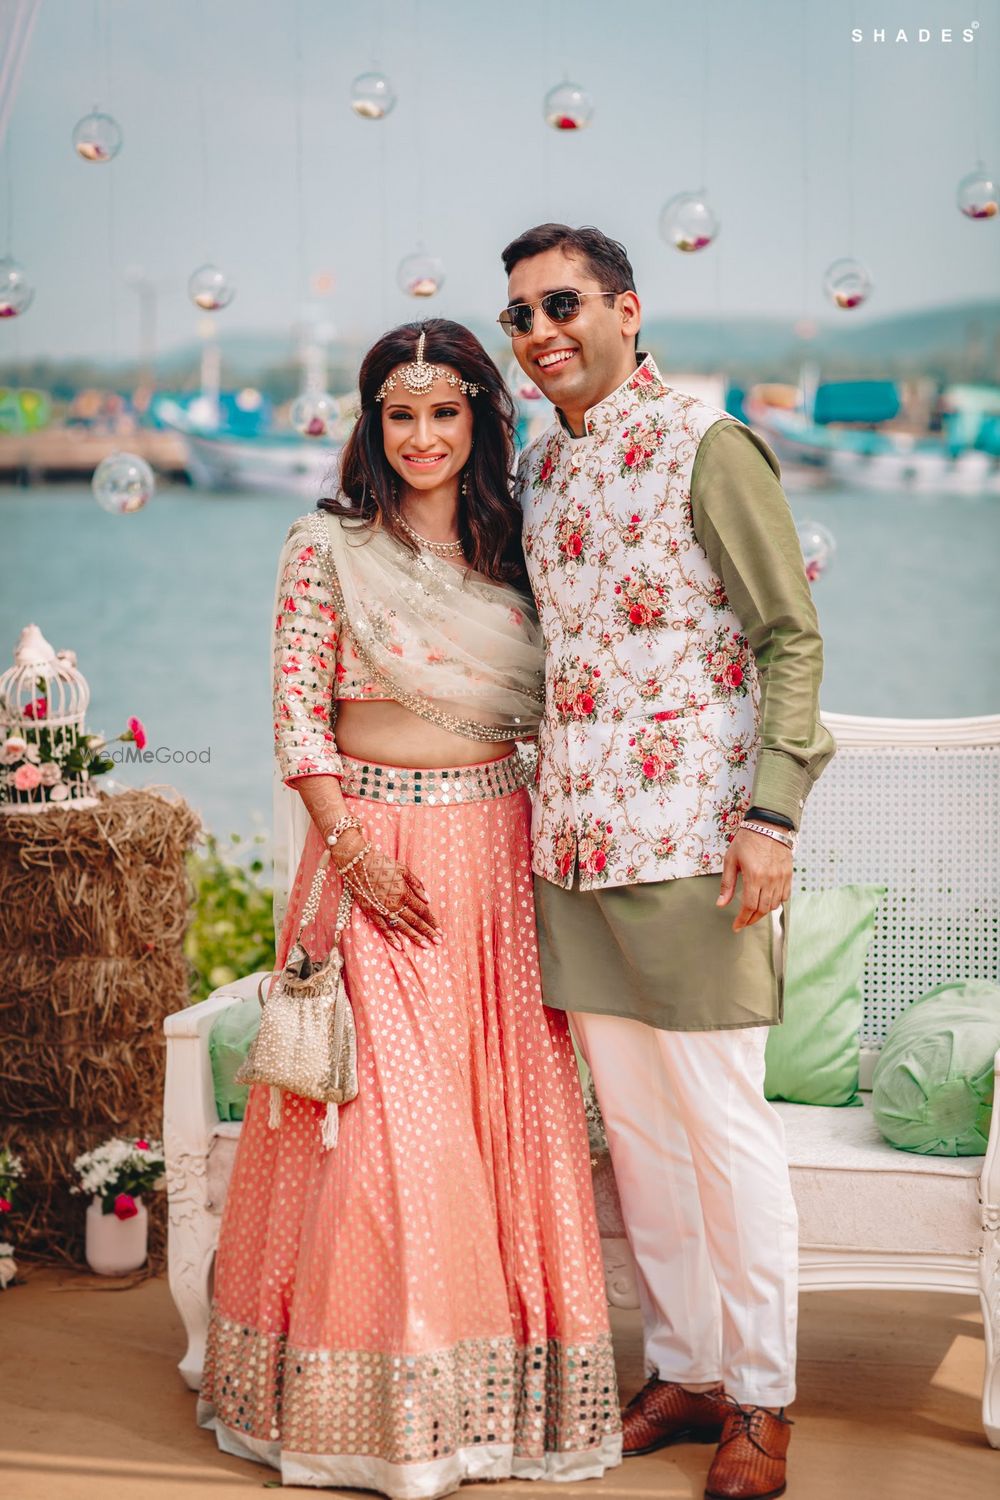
[[750, 1421], [653, 1380]]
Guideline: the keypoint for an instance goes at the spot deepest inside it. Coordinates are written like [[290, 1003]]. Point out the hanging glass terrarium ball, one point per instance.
[[16, 291], [210, 289], [847, 283], [568, 107], [372, 96], [97, 137], [687, 222], [520, 386], [315, 414], [420, 275], [123, 482], [978, 195], [818, 547]]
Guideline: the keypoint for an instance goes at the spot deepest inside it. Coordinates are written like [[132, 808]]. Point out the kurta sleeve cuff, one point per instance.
[[781, 785]]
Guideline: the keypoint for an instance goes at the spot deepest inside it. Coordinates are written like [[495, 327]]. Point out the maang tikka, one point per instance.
[[418, 377]]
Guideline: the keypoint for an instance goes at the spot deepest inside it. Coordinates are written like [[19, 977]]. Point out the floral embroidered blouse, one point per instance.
[[315, 663]]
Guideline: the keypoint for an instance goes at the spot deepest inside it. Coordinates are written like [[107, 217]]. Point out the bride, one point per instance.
[[422, 1304]]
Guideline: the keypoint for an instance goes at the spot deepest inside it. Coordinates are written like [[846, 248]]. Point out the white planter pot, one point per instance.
[[115, 1246]]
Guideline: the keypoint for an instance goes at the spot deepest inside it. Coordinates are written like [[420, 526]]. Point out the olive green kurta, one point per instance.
[[744, 523], [664, 953]]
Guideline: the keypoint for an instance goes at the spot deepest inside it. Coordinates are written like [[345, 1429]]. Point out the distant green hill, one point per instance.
[[960, 342]]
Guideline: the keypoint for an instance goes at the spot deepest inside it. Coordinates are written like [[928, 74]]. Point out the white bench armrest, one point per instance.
[[989, 1182], [189, 1113]]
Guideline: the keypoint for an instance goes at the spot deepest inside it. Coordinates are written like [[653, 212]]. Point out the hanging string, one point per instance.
[[197, 54], [9, 190], [706, 49], [552, 40], [300, 211], [383, 168], [97, 48], [804, 155], [976, 116], [850, 141], [110, 169], [378, 32], [106, 25], [418, 135]]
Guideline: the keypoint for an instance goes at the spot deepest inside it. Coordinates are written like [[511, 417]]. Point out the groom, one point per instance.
[[680, 739]]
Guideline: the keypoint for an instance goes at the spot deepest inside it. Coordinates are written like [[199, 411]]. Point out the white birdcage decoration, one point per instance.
[[43, 699]]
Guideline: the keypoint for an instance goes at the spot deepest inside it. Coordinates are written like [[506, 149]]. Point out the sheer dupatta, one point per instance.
[[444, 642]]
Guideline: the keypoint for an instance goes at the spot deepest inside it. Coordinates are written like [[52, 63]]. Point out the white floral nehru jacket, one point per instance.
[[649, 740]]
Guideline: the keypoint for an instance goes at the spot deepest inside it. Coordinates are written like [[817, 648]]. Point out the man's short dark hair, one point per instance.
[[605, 259]]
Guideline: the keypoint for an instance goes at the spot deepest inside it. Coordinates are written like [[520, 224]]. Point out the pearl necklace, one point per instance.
[[440, 549]]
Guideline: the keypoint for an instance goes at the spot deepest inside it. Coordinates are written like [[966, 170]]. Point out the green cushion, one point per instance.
[[229, 1040], [932, 1090], [812, 1057]]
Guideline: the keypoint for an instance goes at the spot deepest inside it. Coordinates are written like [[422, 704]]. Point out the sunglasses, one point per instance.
[[559, 307]]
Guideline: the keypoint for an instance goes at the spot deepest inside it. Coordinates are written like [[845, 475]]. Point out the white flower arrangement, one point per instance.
[[118, 1171]]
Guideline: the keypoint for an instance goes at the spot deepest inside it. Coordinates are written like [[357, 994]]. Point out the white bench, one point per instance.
[[913, 805]]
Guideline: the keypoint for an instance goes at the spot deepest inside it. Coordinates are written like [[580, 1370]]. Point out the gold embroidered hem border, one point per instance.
[[411, 1408]]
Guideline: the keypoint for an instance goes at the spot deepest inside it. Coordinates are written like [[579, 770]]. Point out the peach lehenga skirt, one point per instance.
[[423, 1304]]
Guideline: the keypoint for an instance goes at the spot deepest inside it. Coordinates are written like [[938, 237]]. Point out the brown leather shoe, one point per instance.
[[749, 1463], [664, 1412]]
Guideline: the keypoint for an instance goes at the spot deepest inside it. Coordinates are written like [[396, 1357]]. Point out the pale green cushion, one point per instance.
[[812, 1056], [229, 1041], [932, 1090]]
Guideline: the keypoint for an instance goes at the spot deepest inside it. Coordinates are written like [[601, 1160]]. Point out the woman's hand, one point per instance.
[[381, 884]]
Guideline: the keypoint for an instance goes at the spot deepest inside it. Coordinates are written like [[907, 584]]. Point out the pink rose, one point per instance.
[[36, 710], [638, 615], [125, 1206], [631, 458], [27, 777], [575, 545], [565, 864], [138, 732], [598, 862], [650, 769], [735, 675], [585, 703]]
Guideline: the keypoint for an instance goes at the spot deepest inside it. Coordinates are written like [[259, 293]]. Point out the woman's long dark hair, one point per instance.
[[489, 523]]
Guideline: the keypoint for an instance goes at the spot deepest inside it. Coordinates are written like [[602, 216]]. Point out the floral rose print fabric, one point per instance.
[[650, 737]]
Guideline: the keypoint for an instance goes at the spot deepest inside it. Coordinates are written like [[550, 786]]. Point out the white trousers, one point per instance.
[[699, 1158]]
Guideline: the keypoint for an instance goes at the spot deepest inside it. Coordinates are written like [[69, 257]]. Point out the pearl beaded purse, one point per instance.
[[307, 1044]]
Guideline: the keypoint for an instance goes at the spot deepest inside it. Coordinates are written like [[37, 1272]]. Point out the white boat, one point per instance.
[[878, 458], [277, 464]]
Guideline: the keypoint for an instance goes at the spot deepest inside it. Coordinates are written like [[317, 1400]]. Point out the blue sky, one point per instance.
[[466, 161]]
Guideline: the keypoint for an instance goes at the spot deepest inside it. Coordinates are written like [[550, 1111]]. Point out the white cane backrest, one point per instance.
[[913, 805]]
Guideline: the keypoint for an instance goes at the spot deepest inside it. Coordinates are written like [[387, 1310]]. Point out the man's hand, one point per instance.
[[766, 868]]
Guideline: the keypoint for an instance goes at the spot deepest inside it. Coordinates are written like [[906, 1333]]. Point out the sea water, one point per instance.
[[169, 612]]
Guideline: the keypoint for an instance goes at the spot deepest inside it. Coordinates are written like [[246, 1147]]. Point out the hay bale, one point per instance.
[[94, 904]]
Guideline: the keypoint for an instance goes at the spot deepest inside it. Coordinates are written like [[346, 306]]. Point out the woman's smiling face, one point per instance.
[[427, 438]]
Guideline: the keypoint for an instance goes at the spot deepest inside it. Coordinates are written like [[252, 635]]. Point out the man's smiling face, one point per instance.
[[574, 364]]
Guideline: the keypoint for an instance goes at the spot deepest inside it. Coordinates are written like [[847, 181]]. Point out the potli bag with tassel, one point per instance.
[[307, 1044]]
